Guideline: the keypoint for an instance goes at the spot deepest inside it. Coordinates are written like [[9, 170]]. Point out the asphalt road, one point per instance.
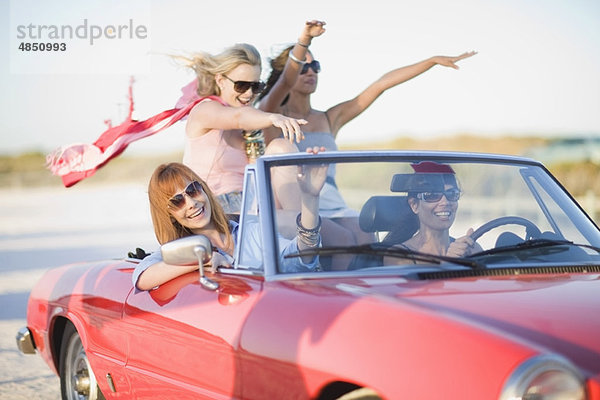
[[44, 228]]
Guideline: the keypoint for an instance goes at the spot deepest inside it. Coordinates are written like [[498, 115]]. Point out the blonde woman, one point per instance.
[[215, 146]]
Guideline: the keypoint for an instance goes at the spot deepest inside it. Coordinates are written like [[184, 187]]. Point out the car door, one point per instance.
[[183, 338]]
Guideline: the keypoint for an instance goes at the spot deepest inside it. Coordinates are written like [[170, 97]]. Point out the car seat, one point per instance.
[[391, 214]]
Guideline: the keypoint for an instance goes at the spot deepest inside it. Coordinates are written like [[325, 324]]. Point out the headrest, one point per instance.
[[386, 213]]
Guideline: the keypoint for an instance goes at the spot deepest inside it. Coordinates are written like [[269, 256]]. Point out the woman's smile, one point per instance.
[[197, 213]]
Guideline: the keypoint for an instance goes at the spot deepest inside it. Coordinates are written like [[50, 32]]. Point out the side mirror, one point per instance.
[[190, 250]]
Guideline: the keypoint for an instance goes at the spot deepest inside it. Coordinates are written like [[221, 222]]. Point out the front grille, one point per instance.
[[572, 269]]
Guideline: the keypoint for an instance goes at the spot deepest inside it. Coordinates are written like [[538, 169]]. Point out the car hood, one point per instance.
[[552, 313]]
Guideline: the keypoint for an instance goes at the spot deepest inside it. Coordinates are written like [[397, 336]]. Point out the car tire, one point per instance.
[[77, 380], [361, 394]]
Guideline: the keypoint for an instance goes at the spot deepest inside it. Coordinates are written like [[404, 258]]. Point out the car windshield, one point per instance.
[[447, 212]]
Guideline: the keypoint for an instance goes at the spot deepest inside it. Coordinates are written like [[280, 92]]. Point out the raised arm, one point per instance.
[[272, 101], [342, 113], [311, 180], [213, 115]]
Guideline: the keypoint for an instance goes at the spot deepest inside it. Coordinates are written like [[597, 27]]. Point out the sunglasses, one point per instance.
[[243, 86], [433, 197], [314, 65], [192, 190]]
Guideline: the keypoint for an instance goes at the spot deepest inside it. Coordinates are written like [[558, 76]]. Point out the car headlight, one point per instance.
[[545, 377]]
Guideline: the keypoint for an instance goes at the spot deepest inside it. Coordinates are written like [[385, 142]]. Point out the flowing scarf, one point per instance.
[[78, 161]]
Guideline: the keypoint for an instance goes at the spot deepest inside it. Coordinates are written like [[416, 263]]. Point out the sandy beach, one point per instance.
[[41, 228]]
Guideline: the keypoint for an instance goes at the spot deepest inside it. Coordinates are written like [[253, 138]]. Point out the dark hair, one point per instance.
[[277, 66], [426, 182]]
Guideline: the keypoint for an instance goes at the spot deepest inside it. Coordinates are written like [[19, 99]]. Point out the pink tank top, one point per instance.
[[220, 165]]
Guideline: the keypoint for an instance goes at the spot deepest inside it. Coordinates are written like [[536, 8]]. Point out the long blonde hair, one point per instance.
[[207, 66], [165, 181]]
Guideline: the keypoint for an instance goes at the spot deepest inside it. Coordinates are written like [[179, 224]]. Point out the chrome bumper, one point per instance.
[[25, 341]]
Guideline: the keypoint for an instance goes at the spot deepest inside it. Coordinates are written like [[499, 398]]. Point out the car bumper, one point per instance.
[[25, 341]]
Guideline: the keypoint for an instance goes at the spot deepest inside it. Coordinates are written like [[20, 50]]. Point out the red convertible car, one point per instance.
[[517, 316]]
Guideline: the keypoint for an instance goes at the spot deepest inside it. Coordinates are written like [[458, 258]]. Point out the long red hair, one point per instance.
[[165, 181]]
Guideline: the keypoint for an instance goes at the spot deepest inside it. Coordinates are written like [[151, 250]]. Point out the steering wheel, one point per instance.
[[531, 230]]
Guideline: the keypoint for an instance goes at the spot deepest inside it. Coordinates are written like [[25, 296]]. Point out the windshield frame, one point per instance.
[[532, 167]]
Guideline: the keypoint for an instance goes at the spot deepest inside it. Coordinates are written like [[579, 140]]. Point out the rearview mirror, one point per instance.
[[190, 250]]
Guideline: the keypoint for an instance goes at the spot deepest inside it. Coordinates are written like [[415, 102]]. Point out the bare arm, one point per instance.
[[272, 101], [213, 115], [161, 272], [311, 180], [343, 113]]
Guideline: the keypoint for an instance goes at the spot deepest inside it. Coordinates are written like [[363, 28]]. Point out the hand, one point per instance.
[[311, 30], [218, 260], [311, 178], [462, 246], [290, 127], [451, 61]]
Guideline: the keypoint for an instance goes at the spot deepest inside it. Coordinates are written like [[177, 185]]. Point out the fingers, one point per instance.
[[290, 128], [218, 260], [462, 245], [299, 135], [466, 240], [465, 55], [315, 149], [314, 28], [451, 61]]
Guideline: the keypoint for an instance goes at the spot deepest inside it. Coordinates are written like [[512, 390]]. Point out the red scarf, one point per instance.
[[78, 161]]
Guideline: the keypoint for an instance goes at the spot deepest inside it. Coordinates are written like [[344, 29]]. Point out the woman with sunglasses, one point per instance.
[[182, 204], [215, 146], [435, 211], [323, 126]]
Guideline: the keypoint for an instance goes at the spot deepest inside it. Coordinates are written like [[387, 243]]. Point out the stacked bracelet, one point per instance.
[[302, 44], [294, 58], [255, 144], [310, 237]]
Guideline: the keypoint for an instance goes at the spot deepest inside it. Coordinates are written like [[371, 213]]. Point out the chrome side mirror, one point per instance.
[[190, 250]]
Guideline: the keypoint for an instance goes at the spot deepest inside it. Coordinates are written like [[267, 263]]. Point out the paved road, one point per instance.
[[44, 228]]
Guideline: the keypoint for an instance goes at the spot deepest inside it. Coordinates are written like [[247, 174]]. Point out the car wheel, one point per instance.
[[77, 380], [361, 394]]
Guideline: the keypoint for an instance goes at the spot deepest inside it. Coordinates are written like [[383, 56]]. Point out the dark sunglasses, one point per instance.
[[314, 65], [243, 86], [192, 190], [432, 197]]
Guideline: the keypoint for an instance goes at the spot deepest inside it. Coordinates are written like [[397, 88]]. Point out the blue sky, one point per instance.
[[537, 71]]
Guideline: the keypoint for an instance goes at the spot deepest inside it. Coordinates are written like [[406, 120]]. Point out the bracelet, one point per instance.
[[309, 237], [255, 144], [312, 240], [302, 44], [302, 229], [294, 58]]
